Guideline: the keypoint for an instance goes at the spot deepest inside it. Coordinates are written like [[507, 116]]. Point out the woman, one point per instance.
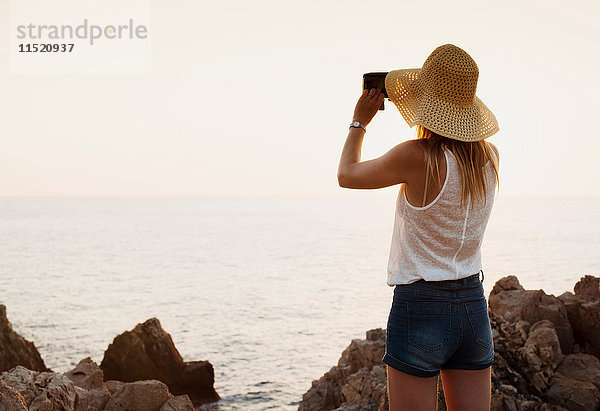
[[438, 322]]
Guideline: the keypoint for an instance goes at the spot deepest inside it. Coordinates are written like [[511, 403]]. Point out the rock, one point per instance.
[[589, 320], [42, 390], [11, 399], [91, 390], [545, 356], [148, 353], [575, 395], [83, 389], [325, 393], [145, 353], [196, 381], [576, 383], [508, 283], [531, 358], [113, 385], [363, 353], [365, 385], [87, 375], [583, 310], [509, 299], [541, 354], [573, 305], [147, 395], [357, 382], [178, 403], [16, 350], [23, 380], [588, 287], [582, 367]]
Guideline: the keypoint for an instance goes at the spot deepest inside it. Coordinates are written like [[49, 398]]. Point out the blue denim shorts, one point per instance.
[[437, 325]]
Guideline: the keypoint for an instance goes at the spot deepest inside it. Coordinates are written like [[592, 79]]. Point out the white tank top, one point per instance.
[[440, 241]]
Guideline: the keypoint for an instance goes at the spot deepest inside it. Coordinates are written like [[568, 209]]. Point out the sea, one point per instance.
[[270, 290]]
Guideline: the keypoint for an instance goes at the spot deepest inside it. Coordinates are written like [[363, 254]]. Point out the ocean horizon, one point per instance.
[[269, 289]]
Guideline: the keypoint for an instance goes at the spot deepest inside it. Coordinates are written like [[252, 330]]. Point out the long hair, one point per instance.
[[470, 156]]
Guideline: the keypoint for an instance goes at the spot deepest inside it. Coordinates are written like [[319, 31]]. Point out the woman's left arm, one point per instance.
[[390, 169]]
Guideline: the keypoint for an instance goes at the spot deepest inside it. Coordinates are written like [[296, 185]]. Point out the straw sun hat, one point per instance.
[[440, 96]]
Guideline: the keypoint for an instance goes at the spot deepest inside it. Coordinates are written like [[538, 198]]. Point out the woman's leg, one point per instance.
[[467, 389], [408, 392]]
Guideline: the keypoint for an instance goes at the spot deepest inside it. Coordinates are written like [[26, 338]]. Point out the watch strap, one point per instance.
[[358, 124]]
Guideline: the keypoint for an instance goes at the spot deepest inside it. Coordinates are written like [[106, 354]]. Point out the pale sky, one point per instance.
[[254, 98]]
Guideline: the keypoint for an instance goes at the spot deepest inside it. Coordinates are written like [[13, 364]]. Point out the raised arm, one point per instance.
[[396, 166]]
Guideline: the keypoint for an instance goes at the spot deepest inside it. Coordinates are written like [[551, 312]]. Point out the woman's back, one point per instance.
[[441, 240]]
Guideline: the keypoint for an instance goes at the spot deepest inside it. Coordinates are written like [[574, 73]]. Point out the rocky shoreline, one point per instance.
[[546, 351], [546, 355], [141, 370]]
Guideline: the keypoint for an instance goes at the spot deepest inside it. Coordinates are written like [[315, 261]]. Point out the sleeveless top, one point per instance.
[[440, 241]]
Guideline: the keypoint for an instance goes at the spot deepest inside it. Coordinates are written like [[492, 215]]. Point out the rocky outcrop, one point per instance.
[[83, 389], [545, 355], [510, 300], [11, 399], [16, 350], [583, 310], [359, 379], [148, 352], [141, 370]]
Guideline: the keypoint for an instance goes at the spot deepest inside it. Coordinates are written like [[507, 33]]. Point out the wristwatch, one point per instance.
[[357, 124]]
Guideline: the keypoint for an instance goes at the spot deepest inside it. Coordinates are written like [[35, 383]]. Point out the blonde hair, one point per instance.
[[470, 156]]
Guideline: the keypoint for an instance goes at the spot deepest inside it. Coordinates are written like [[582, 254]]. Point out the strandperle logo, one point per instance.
[[84, 31]]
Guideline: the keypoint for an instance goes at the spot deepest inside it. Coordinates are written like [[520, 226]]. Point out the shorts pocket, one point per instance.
[[428, 324], [477, 311]]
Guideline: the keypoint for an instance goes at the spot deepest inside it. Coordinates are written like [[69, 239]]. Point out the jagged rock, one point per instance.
[[83, 389], [42, 390], [22, 379], [583, 367], [16, 350], [584, 315], [509, 299], [533, 368], [197, 380], [541, 354], [531, 357], [574, 394], [588, 287], [145, 353], [87, 375], [353, 375], [576, 383], [114, 385], [92, 393], [583, 310], [178, 403], [572, 305], [139, 395], [365, 385], [11, 399], [148, 353]]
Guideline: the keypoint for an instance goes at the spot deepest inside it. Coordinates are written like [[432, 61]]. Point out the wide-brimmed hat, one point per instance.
[[440, 96]]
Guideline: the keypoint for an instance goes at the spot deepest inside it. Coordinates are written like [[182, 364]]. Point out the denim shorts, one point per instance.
[[437, 325]]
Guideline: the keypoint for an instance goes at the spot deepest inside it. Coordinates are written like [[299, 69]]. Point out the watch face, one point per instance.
[[356, 124]]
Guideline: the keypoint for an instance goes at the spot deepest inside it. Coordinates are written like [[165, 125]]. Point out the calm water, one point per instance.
[[269, 290]]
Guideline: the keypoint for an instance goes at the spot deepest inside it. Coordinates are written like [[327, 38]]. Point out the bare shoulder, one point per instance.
[[410, 157], [410, 150]]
